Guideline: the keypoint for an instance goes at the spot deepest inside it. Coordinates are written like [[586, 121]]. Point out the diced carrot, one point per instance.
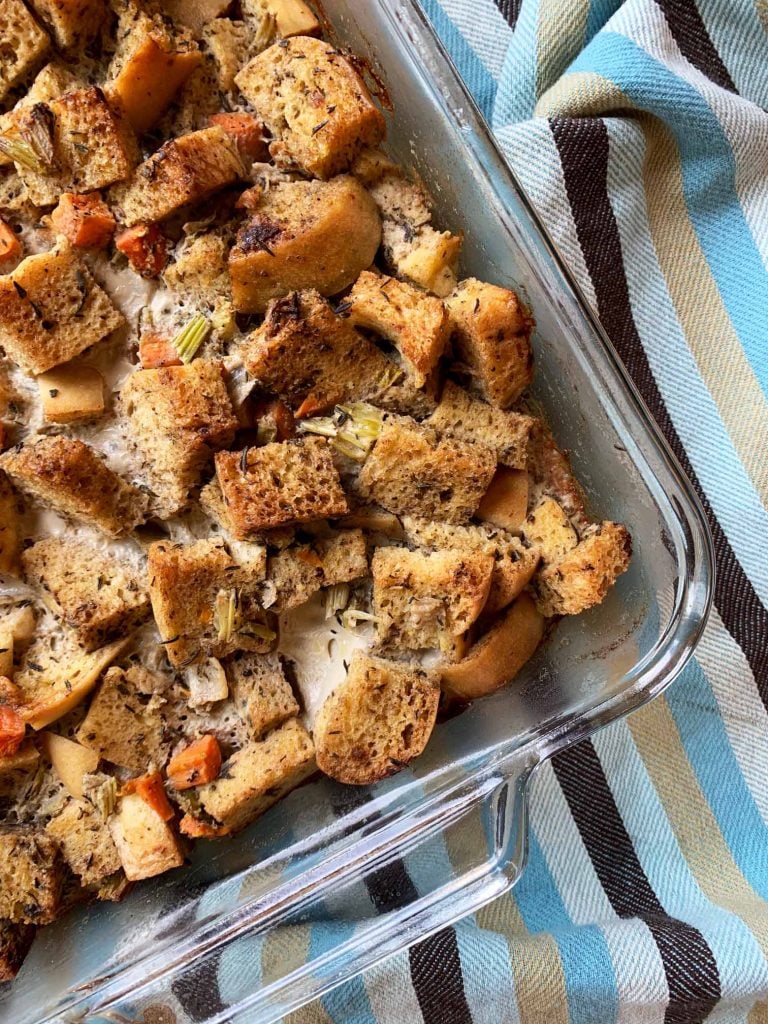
[[12, 729], [146, 248], [309, 407], [85, 220], [150, 789], [247, 131], [197, 829], [10, 244], [156, 351], [310, 558], [278, 414], [198, 763]]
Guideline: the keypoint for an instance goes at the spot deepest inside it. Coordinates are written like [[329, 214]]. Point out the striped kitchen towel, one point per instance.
[[645, 895]]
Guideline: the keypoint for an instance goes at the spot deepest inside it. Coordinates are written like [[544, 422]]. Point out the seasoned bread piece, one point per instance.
[[499, 654], [303, 234], [549, 529], [415, 323], [190, 587], [259, 774], [72, 23], [24, 760], [291, 17], [52, 309], [52, 81], [513, 563], [71, 393], [179, 415], [469, 419], [505, 503], [23, 44], [124, 725], [551, 473], [583, 576], [73, 479], [85, 841], [10, 527], [376, 721], [15, 943], [314, 103], [492, 337], [411, 471], [310, 357], [150, 65], [146, 845], [93, 145], [428, 599], [300, 571], [199, 268], [184, 170], [97, 595], [227, 43], [412, 247], [31, 876], [262, 695], [194, 14], [281, 484], [56, 680]]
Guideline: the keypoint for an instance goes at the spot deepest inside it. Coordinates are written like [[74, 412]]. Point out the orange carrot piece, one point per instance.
[[85, 220], [12, 729], [310, 558], [10, 245], [197, 829], [146, 248], [309, 407], [197, 764], [247, 131], [156, 351], [150, 789]]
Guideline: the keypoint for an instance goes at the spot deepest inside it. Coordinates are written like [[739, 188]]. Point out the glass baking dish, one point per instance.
[[373, 870]]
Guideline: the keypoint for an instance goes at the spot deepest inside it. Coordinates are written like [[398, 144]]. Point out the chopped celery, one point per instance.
[[191, 337], [21, 153], [353, 428], [336, 599]]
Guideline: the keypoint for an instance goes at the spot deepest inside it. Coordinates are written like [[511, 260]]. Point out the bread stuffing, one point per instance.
[[275, 489]]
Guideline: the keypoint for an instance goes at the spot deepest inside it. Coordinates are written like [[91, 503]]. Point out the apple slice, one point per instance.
[[70, 760], [505, 503]]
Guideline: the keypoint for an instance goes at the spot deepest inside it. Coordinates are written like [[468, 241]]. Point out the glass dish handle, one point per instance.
[[415, 876]]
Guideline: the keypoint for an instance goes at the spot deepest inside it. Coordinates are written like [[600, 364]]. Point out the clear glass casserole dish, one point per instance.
[[245, 908]]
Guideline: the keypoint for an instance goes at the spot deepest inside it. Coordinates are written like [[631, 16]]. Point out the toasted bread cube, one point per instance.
[[227, 43], [10, 528], [550, 530], [85, 841], [182, 171], [72, 22], [413, 472], [299, 572], [123, 725], [470, 419], [492, 336], [281, 484], [304, 353], [194, 14], [513, 563], [52, 309], [378, 720], [24, 760], [179, 415], [499, 654], [583, 576], [262, 694], [417, 324], [71, 393], [93, 144], [31, 876], [315, 104], [72, 478], [146, 845], [505, 503], [15, 942], [303, 234], [55, 681], [71, 761], [149, 67], [292, 17], [428, 599], [185, 582], [22, 43], [7, 644], [97, 595], [551, 473], [259, 774], [371, 166], [200, 267]]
